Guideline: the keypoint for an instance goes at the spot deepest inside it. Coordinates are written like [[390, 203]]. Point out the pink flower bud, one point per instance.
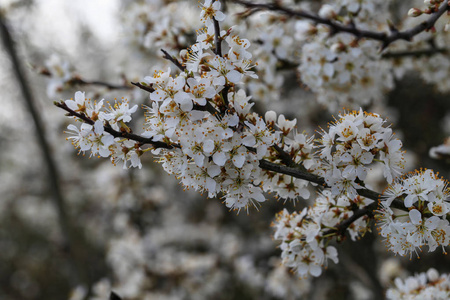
[[414, 12]]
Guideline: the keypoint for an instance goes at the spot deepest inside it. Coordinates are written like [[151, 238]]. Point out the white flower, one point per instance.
[[119, 112], [79, 104], [210, 10]]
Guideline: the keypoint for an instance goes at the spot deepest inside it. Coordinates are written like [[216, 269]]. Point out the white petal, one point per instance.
[[213, 170], [415, 216], [98, 127], [234, 76], [208, 147], [219, 158]]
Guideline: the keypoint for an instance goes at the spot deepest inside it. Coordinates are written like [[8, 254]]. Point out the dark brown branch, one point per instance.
[[217, 40], [218, 51], [114, 296], [80, 81], [147, 88], [294, 172], [336, 27], [173, 60], [342, 227], [115, 133], [415, 53], [209, 108], [285, 157]]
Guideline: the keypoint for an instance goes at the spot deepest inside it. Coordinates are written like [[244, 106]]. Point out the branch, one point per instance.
[[76, 79], [114, 296], [284, 156], [336, 27], [415, 53], [217, 39], [115, 133], [173, 60], [147, 88], [342, 227], [80, 81]]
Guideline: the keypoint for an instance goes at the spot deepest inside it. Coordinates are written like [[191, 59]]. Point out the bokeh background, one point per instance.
[[136, 232]]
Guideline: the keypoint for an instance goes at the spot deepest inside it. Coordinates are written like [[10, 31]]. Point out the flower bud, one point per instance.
[[304, 29], [271, 118], [338, 47], [432, 275], [327, 12], [414, 12]]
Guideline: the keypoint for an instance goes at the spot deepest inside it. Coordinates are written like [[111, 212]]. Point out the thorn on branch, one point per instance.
[[392, 27]]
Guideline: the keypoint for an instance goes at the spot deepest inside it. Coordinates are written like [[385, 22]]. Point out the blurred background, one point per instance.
[[88, 228]]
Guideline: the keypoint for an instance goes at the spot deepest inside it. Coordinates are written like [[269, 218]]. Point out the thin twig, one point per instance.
[[173, 60], [415, 53], [80, 81], [341, 228], [336, 27], [147, 88], [115, 133]]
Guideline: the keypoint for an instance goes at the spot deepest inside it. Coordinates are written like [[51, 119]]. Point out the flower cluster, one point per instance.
[[341, 69], [93, 136], [427, 285], [433, 67], [420, 219], [300, 150], [351, 144], [151, 24], [59, 72], [305, 236], [216, 142]]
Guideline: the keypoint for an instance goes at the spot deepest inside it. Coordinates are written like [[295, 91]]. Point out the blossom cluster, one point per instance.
[[429, 285], [94, 138], [433, 67], [150, 25], [301, 151], [420, 220], [351, 145], [214, 143], [202, 110], [60, 73], [305, 236], [341, 69]]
